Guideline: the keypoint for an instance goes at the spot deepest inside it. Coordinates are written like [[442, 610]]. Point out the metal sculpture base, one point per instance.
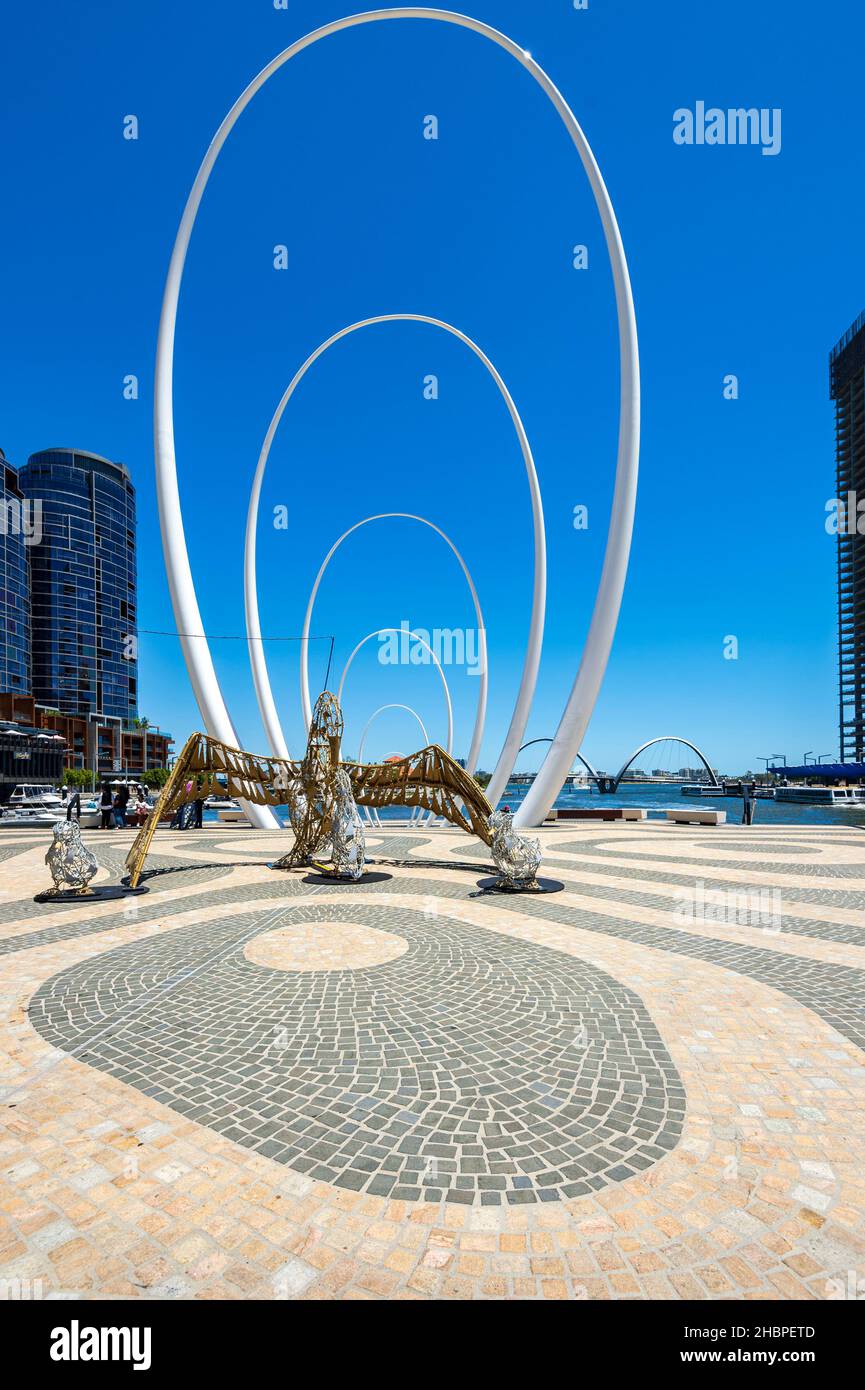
[[344, 880], [104, 893], [531, 885]]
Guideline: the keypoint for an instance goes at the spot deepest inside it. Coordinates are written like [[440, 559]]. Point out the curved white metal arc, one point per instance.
[[671, 738], [483, 678], [379, 632], [381, 710], [532, 659], [199, 660]]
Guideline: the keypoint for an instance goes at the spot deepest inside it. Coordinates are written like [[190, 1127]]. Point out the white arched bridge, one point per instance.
[[610, 785]]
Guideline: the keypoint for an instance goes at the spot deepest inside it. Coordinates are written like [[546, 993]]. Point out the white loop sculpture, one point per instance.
[[590, 674], [532, 660], [381, 709], [379, 632], [483, 677], [366, 728]]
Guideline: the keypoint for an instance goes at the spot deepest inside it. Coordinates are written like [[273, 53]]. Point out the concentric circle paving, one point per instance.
[[474, 1066]]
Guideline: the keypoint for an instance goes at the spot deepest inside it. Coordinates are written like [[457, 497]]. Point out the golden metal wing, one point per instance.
[[206, 767], [429, 778]]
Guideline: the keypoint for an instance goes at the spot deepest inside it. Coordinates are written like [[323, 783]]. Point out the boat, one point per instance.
[[702, 789], [821, 796], [38, 806], [33, 794]]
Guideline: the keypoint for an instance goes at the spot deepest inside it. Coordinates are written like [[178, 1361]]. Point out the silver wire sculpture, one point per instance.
[[295, 800], [347, 833], [517, 857], [72, 865], [299, 816]]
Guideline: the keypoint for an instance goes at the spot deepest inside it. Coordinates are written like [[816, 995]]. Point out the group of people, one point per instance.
[[113, 803]]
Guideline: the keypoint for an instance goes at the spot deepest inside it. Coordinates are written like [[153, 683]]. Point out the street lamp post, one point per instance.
[[809, 754], [825, 755]]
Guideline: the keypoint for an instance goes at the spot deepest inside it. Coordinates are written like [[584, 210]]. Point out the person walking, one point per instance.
[[180, 819], [121, 801], [105, 805]]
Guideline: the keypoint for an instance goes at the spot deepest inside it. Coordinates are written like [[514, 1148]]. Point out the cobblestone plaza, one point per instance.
[[244, 1085]]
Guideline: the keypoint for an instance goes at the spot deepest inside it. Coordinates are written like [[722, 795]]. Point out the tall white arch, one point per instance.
[[196, 651], [480, 716], [379, 632], [371, 813], [261, 675], [381, 710], [532, 659]]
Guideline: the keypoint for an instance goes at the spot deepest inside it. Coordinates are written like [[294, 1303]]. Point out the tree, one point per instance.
[[155, 777], [76, 777]]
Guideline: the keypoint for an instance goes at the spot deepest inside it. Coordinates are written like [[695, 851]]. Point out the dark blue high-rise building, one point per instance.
[[83, 584], [15, 523], [847, 375]]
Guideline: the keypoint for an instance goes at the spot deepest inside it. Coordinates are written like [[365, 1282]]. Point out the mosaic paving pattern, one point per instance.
[[813, 869], [195, 1109], [791, 897], [166, 875], [10, 851], [470, 1067]]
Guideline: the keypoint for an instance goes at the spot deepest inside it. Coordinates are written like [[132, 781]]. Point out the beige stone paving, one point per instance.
[[104, 1192], [325, 945]]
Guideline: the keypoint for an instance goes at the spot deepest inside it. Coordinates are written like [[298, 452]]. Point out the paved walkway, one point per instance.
[[650, 1085]]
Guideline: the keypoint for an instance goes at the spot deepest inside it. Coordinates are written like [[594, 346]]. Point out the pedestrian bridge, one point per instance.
[[610, 785]]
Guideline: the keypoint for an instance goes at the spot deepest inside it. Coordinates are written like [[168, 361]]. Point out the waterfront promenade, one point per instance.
[[241, 1085]]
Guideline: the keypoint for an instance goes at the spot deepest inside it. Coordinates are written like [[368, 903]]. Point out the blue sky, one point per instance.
[[740, 264]]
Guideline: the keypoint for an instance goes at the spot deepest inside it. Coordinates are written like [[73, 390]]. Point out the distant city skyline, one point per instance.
[[742, 285]]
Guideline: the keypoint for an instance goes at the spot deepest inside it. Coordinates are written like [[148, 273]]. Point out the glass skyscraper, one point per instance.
[[14, 585], [847, 374], [84, 652]]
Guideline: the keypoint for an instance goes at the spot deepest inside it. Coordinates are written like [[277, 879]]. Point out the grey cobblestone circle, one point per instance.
[[474, 1068]]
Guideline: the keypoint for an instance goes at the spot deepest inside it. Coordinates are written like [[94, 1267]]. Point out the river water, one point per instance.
[[658, 799]]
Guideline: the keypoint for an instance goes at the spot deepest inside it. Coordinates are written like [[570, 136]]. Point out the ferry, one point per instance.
[[702, 789], [821, 796]]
